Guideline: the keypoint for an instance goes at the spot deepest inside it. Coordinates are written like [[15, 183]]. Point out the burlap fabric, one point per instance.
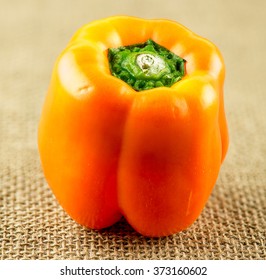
[[33, 225]]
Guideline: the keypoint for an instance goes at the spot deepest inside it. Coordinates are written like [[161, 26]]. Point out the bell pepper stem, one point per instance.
[[146, 65]]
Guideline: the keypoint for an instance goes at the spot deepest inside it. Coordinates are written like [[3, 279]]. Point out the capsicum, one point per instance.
[[133, 125]]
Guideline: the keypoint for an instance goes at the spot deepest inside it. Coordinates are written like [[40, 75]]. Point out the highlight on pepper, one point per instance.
[[134, 125]]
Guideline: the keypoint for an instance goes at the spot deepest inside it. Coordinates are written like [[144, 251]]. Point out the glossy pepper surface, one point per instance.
[[116, 141]]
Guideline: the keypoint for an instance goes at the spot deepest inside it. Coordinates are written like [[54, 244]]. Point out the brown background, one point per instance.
[[33, 225]]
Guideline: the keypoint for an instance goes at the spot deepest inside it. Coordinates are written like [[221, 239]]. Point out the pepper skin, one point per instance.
[[152, 156]]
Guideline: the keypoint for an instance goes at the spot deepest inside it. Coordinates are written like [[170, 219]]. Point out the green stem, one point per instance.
[[146, 65]]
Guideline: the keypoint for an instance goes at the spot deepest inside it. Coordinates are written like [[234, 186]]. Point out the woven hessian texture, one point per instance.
[[34, 226]]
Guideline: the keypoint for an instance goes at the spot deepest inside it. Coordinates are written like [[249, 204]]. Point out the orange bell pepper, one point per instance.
[[151, 154]]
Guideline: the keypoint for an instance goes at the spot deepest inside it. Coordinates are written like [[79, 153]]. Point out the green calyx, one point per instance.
[[146, 65]]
